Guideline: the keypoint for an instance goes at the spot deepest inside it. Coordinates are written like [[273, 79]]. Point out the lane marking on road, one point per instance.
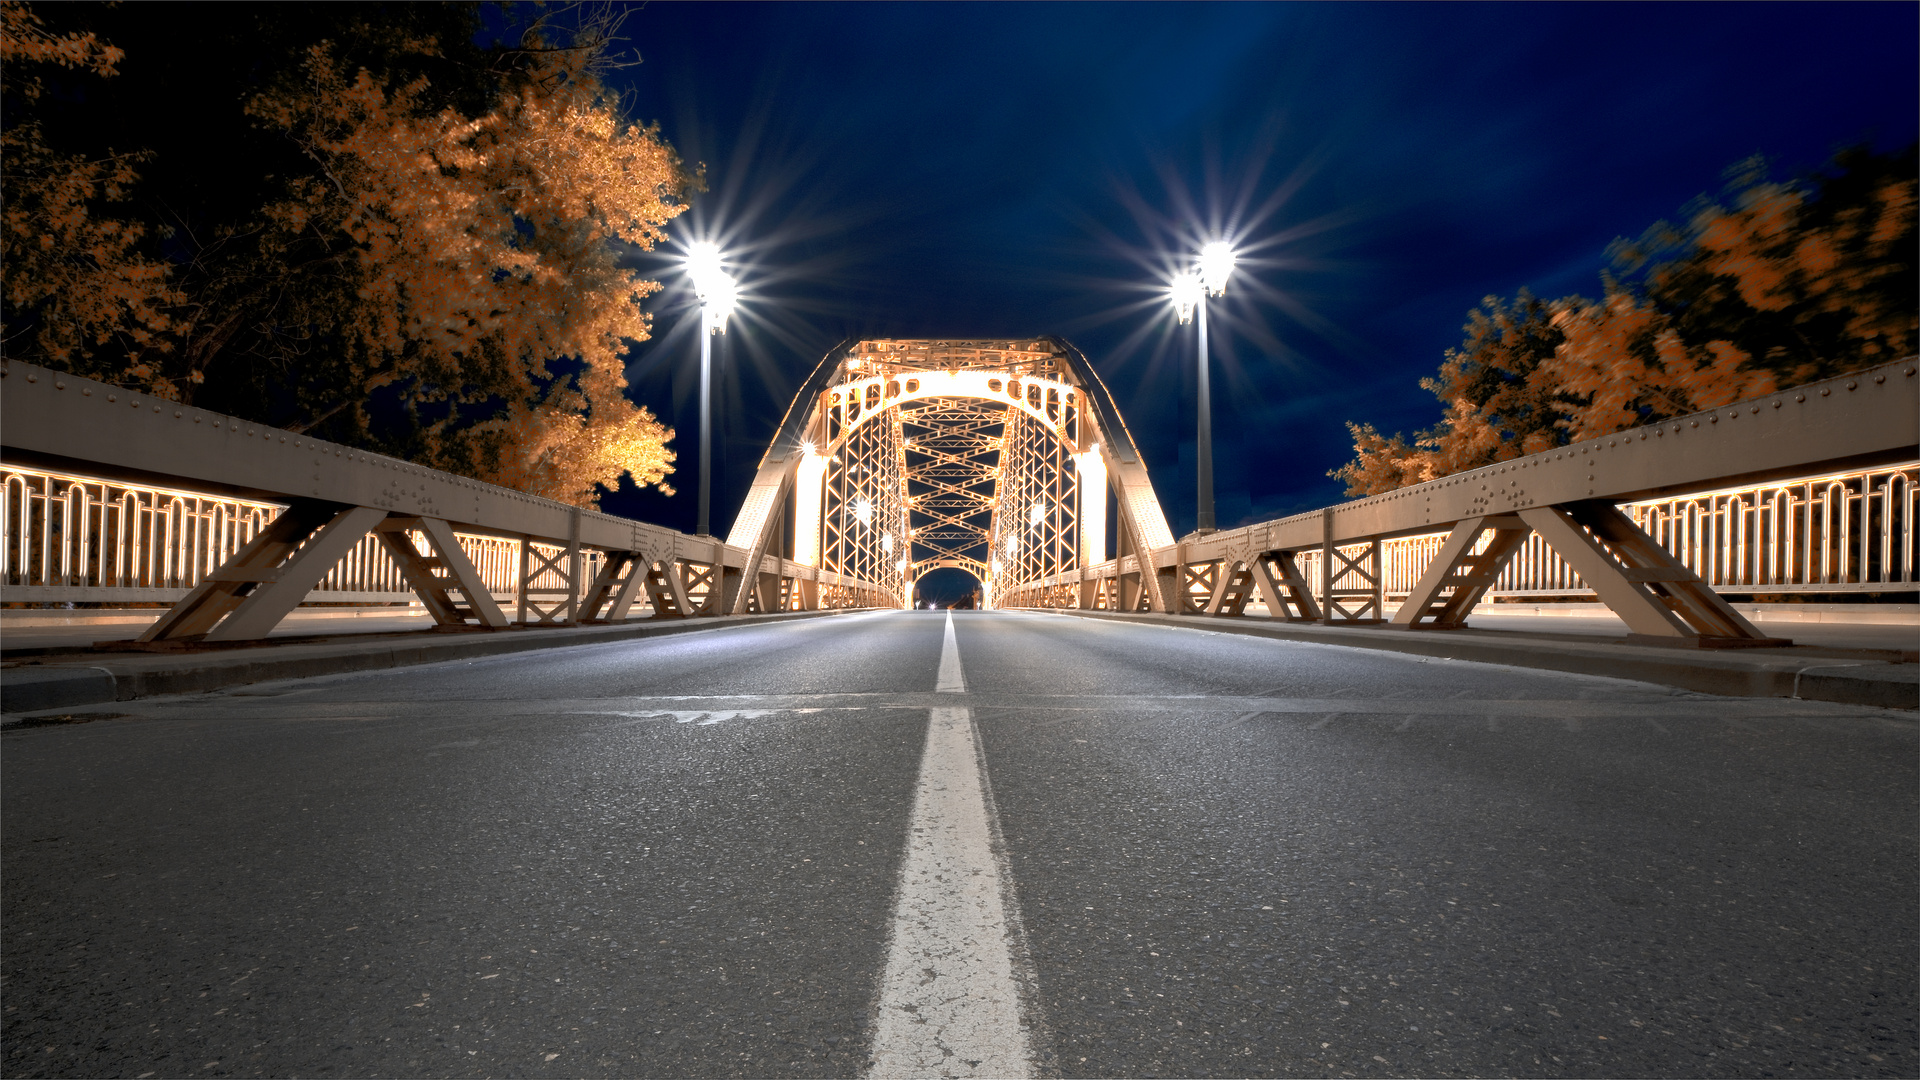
[[1526, 711], [950, 680], [950, 999]]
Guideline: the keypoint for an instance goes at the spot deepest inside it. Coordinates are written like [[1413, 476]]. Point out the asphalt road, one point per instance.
[[1219, 855]]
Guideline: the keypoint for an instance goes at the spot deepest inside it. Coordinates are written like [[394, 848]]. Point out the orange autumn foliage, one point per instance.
[[1498, 405], [1790, 282], [485, 247], [435, 279], [79, 269]]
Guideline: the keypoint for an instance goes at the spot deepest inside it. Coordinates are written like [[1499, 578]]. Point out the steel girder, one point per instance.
[[1566, 495], [335, 495], [995, 456]]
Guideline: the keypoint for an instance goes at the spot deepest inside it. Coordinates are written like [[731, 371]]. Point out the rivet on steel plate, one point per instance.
[[1851, 385], [1696, 423], [110, 397], [1826, 390], [1879, 378], [1776, 403], [1799, 397], [32, 378], [59, 386]]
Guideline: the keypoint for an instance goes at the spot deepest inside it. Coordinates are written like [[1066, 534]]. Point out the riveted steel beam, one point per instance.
[[1859, 420], [1862, 420], [54, 420]]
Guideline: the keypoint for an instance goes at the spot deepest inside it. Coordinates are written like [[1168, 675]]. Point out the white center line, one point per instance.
[[950, 680], [949, 1001]]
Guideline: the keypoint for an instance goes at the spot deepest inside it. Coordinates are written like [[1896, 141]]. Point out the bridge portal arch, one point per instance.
[[993, 455]]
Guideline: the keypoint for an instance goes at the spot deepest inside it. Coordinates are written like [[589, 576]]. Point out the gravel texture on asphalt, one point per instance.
[[1227, 855]]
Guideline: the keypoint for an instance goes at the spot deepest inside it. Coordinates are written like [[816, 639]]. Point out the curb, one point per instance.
[[1844, 681], [97, 679]]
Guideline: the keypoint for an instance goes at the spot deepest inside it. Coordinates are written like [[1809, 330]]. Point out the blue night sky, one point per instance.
[[1009, 169]]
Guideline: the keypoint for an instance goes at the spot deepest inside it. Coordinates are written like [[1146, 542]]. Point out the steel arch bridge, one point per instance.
[[1001, 457]]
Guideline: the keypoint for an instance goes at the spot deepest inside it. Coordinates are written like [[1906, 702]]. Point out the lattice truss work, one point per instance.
[[864, 524], [953, 463], [917, 479], [1036, 523]]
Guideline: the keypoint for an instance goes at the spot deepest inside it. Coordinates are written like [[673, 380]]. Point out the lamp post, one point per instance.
[[717, 291], [1189, 293]]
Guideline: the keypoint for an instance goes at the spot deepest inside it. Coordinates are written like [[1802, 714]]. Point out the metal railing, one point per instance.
[[1832, 533], [72, 538]]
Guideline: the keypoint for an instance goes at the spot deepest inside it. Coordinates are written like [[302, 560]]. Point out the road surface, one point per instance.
[[889, 843]]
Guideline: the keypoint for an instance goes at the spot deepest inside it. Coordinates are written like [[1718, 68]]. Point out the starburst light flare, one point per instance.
[[1216, 265], [713, 285], [1186, 293]]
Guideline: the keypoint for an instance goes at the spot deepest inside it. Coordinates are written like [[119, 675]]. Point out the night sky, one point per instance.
[[1009, 169]]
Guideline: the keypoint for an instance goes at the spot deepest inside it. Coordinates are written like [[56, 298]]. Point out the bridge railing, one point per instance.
[[1833, 533], [87, 539], [1806, 490], [115, 497]]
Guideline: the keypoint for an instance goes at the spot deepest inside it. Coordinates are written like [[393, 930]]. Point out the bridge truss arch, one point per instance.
[[900, 456]]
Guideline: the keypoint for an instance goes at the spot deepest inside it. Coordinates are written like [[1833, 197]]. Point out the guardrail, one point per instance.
[[1833, 533], [1810, 489], [86, 539], [132, 499]]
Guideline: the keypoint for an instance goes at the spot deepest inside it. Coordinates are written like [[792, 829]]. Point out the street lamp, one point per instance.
[[717, 292], [1189, 293]]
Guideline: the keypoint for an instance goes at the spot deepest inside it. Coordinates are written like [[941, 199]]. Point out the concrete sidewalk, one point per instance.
[[37, 672], [24, 632], [1883, 672]]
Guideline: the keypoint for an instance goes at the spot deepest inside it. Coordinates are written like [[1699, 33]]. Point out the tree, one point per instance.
[[429, 262], [1498, 406], [1791, 282], [77, 270], [1780, 284]]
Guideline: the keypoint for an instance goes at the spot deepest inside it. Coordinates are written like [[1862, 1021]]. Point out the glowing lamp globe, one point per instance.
[[715, 287], [1216, 265], [1186, 293]]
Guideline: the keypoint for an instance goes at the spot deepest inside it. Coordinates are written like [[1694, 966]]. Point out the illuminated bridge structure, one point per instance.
[[1004, 458]]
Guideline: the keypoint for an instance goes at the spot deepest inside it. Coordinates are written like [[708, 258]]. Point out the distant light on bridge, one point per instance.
[[1037, 514], [1216, 265], [863, 509]]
